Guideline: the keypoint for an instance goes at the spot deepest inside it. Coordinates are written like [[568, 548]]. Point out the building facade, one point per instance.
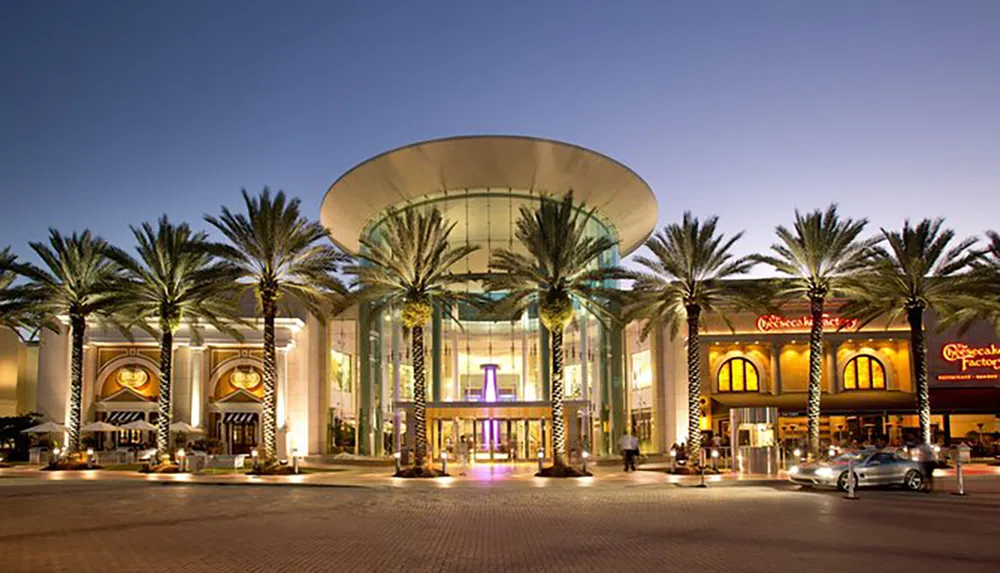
[[345, 385]]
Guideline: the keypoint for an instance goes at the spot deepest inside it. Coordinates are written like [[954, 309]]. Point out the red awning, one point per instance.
[[970, 400]]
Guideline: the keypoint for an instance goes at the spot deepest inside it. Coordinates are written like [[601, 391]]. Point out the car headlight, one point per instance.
[[793, 470], [824, 472]]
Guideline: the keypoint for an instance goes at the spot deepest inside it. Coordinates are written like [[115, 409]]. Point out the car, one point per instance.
[[871, 468]]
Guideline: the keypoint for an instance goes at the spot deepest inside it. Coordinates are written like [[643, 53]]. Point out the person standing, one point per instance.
[[463, 455], [625, 445], [928, 462]]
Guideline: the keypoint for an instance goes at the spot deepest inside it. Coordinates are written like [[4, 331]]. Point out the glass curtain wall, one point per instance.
[[517, 346]]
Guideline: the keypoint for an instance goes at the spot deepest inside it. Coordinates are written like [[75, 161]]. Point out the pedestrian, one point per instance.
[[463, 455], [625, 445], [924, 454]]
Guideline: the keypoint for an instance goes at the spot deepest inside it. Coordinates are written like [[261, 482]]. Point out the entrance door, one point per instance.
[[243, 437]]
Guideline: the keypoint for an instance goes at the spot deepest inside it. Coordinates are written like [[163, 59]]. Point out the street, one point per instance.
[[90, 527]]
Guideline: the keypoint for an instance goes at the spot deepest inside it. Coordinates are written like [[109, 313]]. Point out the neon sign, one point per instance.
[[972, 356], [769, 322]]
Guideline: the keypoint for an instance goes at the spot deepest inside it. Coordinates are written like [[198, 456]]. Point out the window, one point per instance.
[[738, 375], [864, 373]]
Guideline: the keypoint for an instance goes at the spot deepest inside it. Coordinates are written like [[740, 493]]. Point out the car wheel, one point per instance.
[[913, 480], [842, 482]]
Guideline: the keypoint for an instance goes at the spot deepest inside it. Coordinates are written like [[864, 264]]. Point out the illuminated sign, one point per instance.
[[769, 322], [245, 380], [132, 377], [972, 357]]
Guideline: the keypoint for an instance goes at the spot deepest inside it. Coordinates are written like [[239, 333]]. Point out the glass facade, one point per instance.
[[458, 352]]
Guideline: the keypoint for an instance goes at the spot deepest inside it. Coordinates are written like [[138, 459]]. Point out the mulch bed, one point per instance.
[[161, 469], [562, 472], [69, 465], [419, 472]]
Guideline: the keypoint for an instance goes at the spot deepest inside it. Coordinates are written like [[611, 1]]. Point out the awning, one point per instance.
[[123, 417], [239, 417]]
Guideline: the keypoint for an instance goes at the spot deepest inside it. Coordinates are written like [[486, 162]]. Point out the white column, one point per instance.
[[197, 383], [584, 381], [524, 357], [282, 407], [456, 375], [397, 379]]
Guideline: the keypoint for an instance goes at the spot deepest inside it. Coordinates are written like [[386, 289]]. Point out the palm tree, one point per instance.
[[408, 267], [919, 271], [689, 275], [18, 304], [176, 278], [818, 255], [559, 270], [279, 254], [77, 279]]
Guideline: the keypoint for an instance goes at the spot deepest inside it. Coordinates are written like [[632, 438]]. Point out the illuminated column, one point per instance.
[[775, 368], [456, 375], [282, 407], [436, 363], [197, 397], [584, 382], [397, 335], [522, 388]]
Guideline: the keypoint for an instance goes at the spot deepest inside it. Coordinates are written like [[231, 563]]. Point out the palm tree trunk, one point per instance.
[[419, 397], [694, 382], [815, 372], [163, 403], [78, 326], [915, 316], [268, 419], [558, 421]]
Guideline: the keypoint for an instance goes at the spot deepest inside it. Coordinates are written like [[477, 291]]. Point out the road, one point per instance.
[[98, 527]]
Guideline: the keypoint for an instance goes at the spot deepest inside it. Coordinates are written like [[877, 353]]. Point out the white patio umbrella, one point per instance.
[[140, 425], [99, 427], [46, 428], [185, 428]]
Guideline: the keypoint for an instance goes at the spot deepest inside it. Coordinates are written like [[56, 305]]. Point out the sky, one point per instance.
[[115, 112]]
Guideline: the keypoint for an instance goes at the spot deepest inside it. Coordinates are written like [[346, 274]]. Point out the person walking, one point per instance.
[[925, 455], [463, 455], [628, 446]]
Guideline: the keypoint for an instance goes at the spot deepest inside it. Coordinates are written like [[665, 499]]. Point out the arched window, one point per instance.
[[738, 375], [864, 372]]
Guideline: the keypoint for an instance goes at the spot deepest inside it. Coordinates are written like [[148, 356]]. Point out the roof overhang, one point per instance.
[[545, 167]]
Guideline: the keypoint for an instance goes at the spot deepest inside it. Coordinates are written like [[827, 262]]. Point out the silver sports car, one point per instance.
[[870, 468]]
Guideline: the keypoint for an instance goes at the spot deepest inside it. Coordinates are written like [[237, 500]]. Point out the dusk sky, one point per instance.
[[112, 113]]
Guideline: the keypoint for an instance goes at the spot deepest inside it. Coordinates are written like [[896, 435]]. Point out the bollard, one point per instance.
[[90, 458], [715, 461], [960, 475], [181, 460], [586, 455], [850, 481], [255, 459], [702, 483], [673, 461], [444, 462], [541, 459], [295, 460], [396, 456]]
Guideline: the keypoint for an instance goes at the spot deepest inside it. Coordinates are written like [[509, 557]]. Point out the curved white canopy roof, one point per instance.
[[428, 169]]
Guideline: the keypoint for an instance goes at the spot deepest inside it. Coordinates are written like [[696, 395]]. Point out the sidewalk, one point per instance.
[[478, 476]]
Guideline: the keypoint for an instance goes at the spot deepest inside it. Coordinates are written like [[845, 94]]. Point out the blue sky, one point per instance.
[[112, 113]]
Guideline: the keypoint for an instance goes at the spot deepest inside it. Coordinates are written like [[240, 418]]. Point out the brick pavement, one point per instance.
[[90, 527]]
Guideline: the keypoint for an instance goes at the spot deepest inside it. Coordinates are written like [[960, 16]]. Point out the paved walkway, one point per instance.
[[101, 526]]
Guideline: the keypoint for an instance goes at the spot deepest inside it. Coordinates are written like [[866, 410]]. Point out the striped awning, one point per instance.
[[123, 417], [239, 417]]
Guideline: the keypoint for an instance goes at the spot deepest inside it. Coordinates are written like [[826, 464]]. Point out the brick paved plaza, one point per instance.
[[89, 527]]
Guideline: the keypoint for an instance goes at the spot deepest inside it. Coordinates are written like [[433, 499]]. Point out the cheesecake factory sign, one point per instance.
[[971, 362], [776, 323]]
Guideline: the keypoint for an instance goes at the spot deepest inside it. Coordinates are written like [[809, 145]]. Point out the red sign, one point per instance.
[[769, 322], [972, 356]]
